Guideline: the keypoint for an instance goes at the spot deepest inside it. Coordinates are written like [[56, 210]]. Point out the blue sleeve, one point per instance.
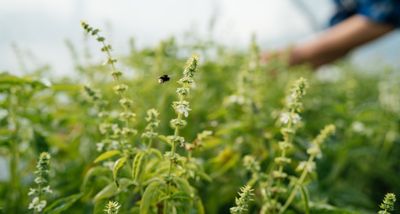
[[379, 11]]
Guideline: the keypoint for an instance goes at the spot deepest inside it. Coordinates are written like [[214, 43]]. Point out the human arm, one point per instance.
[[336, 41]]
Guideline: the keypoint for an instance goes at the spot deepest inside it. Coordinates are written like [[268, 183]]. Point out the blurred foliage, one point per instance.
[[359, 164]]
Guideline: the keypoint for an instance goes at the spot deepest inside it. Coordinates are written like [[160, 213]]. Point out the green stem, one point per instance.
[[297, 185], [14, 159], [288, 138], [150, 143], [305, 199]]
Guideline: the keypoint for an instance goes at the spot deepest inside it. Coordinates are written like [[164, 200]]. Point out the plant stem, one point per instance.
[[297, 185], [14, 159]]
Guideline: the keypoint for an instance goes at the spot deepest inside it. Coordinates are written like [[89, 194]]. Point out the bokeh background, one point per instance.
[[41, 27], [233, 98]]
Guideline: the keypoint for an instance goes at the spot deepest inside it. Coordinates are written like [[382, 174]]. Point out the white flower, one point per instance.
[[358, 126], [214, 123], [114, 145], [182, 107], [314, 150], [99, 146], [108, 164], [47, 189], [112, 207], [32, 191], [296, 118], [183, 110], [236, 99], [37, 205], [305, 165], [285, 117]]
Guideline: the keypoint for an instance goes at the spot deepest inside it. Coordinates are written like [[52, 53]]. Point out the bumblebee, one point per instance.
[[164, 78]]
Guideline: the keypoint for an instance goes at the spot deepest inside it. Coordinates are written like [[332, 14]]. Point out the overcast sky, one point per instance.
[[43, 25]]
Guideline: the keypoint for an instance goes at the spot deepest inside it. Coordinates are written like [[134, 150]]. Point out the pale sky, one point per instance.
[[42, 25]]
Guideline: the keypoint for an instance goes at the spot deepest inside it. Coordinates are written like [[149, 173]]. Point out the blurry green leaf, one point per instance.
[[328, 209], [199, 206], [66, 87], [156, 152], [117, 166], [183, 185], [106, 155], [94, 171], [62, 204], [224, 161], [153, 192], [164, 139], [111, 190], [106, 192], [183, 196], [137, 165], [203, 175], [7, 80], [304, 196], [4, 131]]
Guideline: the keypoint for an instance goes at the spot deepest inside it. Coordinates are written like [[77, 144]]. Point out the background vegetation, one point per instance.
[[237, 101]]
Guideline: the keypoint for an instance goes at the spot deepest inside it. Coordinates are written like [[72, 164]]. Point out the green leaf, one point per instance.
[[203, 175], [66, 87], [151, 195], [94, 171], [137, 165], [7, 80], [183, 196], [156, 152], [117, 166], [328, 209], [183, 185], [199, 206], [164, 139], [106, 192], [111, 190], [304, 196], [62, 204], [106, 155]]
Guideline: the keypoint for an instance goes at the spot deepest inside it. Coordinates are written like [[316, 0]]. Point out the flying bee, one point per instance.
[[164, 78]]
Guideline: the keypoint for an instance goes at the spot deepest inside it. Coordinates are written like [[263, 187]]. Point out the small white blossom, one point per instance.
[[214, 123], [358, 126], [37, 205], [305, 165], [47, 189], [108, 164], [32, 191], [114, 145], [182, 107], [112, 207], [236, 99], [285, 117], [99, 146], [314, 150]]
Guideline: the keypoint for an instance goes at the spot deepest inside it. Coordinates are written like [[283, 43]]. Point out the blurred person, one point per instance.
[[354, 23]]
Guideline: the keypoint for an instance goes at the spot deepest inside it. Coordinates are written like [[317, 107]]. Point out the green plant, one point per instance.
[[122, 142], [306, 167], [42, 179], [289, 120], [173, 191], [112, 207], [387, 204], [245, 196]]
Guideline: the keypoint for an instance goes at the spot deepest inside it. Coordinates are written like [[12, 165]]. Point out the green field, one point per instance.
[[225, 134]]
